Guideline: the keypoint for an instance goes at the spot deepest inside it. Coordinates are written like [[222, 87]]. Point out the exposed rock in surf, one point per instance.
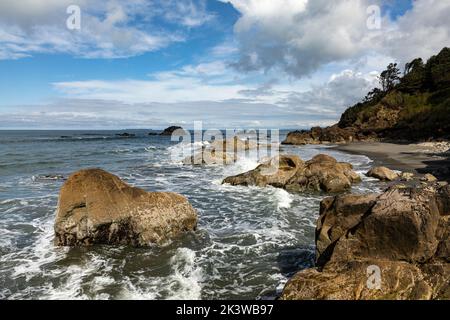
[[96, 207], [322, 173], [383, 174], [210, 156], [222, 152], [403, 233]]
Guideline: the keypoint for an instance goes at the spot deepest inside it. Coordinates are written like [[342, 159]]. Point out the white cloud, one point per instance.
[[109, 29], [209, 92], [301, 36]]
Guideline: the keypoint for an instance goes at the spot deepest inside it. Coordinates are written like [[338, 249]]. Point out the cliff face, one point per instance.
[[413, 107]]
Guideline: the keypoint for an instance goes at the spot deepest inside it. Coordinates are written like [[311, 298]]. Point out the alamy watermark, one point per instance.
[[373, 277], [373, 21], [73, 22]]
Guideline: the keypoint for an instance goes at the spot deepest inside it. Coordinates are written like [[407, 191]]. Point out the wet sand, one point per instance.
[[404, 157]]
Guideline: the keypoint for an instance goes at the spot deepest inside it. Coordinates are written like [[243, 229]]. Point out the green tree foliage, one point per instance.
[[389, 77], [414, 77]]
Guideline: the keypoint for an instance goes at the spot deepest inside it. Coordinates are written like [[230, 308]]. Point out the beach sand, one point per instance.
[[421, 158]]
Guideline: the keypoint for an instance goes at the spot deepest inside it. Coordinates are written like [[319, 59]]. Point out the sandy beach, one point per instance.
[[423, 158]]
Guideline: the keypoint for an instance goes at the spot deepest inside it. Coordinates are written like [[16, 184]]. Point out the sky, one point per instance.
[[228, 63]]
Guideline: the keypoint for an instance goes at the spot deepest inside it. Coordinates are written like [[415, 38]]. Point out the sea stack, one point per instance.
[[170, 130]]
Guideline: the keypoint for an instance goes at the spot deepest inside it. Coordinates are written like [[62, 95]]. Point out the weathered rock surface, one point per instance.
[[96, 207], [382, 173], [403, 232], [322, 173]]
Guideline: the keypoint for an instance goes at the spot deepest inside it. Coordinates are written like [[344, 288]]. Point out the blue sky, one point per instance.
[[246, 63]]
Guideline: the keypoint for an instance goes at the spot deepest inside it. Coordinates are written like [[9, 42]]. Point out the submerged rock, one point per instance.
[[96, 207], [382, 173], [403, 233], [322, 173]]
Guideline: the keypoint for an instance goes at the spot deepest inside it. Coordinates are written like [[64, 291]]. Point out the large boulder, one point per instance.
[[383, 174], [96, 207], [402, 232], [321, 173]]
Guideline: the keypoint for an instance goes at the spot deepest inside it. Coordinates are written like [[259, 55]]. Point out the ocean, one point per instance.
[[249, 241]]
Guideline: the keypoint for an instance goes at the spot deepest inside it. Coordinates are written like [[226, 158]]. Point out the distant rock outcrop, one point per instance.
[[403, 234], [322, 173], [96, 207], [125, 135], [170, 130]]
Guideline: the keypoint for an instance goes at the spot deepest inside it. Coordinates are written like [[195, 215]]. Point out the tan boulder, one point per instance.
[[383, 174], [276, 172], [96, 207]]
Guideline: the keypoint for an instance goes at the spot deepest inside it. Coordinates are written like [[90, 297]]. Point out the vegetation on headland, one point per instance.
[[414, 106]]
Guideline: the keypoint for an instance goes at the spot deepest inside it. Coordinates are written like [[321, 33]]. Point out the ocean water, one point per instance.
[[248, 243]]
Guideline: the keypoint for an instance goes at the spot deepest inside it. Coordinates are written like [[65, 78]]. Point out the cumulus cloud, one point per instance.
[[341, 91], [301, 36], [109, 29]]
